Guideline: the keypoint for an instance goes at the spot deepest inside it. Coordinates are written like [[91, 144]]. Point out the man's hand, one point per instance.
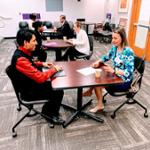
[[47, 64], [58, 68], [70, 41]]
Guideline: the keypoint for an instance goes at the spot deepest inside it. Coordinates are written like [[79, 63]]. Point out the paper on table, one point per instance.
[[86, 71]]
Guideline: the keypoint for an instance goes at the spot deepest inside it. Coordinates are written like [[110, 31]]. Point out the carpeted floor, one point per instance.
[[128, 131]]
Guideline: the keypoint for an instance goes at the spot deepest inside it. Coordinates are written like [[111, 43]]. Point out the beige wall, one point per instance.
[[92, 10]]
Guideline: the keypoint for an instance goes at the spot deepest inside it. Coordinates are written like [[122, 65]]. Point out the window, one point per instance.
[[54, 5]]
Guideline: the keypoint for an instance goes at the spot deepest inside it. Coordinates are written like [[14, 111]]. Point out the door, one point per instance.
[[139, 29]]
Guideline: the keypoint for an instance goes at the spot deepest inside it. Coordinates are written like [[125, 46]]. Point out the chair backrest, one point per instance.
[[139, 64], [107, 27], [139, 67], [113, 26], [23, 25], [18, 91], [10, 72], [48, 24], [81, 19]]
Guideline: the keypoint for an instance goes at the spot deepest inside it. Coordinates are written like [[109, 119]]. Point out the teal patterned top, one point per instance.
[[121, 61]]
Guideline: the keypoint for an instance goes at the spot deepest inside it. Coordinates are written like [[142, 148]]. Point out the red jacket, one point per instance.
[[24, 66]]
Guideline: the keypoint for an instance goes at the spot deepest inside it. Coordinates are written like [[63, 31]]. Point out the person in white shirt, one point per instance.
[[31, 21], [81, 44]]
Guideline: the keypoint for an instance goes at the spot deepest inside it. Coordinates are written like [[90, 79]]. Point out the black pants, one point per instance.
[[45, 91], [71, 54]]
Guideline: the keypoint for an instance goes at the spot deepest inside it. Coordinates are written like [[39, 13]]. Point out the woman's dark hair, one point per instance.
[[37, 24], [122, 33], [24, 35]]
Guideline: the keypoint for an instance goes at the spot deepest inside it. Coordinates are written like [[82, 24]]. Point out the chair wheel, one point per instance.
[[14, 134], [32, 113], [102, 121], [113, 116], [51, 125], [19, 108], [104, 101], [145, 115]]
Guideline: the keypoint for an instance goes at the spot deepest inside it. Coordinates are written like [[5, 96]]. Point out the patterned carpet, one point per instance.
[[128, 131]]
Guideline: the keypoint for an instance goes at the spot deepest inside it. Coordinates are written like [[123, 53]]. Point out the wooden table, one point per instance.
[[74, 79], [58, 45]]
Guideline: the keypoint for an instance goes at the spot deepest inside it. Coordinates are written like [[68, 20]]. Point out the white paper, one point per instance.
[[86, 71]]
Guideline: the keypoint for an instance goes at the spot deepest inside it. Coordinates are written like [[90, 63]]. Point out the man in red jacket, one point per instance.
[[33, 83]]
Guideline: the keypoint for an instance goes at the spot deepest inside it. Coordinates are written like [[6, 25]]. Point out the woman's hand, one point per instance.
[[96, 64], [108, 69]]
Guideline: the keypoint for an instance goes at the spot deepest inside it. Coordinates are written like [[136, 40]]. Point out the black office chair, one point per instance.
[[48, 24], [87, 57], [23, 25], [105, 35], [134, 89], [23, 102], [113, 26]]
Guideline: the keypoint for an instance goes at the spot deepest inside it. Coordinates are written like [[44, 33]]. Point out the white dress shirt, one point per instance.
[[82, 42]]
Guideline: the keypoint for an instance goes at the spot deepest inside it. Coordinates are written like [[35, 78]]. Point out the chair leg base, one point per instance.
[[14, 134], [51, 125], [19, 107], [118, 108], [145, 115], [142, 106], [113, 116], [130, 102]]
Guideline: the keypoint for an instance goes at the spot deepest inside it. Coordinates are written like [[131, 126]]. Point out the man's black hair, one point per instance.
[[24, 35]]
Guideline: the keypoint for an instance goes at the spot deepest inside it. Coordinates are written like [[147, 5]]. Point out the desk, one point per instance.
[[74, 79], [57, 45]]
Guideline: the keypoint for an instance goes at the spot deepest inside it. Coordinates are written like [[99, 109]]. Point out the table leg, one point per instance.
[[58, 55], [87, 29], [78, 110]]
